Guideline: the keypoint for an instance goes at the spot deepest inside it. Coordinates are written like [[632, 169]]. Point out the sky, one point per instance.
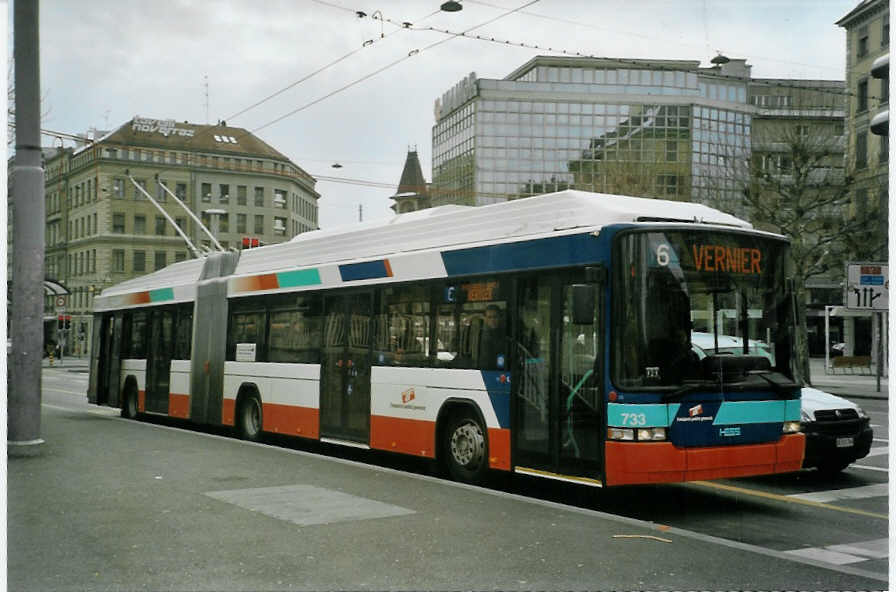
[[363, 105]]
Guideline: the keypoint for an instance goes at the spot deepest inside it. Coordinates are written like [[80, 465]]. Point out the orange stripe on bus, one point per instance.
[[141, 401], [499, 449], [179, 405], [409, 436], [228, 411], [290, 420], [629, 463]]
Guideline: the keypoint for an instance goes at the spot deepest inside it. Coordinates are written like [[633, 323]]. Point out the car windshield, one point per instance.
[[700, 306]]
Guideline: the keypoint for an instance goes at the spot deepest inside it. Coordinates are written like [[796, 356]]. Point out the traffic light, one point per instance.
[[68, 322], [249, 243]]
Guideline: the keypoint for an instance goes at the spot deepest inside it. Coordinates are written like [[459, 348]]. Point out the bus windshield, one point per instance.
[[701, 306]]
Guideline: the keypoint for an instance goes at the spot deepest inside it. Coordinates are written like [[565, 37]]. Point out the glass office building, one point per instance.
[[656, 128]]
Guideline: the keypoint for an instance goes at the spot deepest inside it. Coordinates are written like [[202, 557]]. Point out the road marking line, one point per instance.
[[57, 390], [879, 440], [878, 451], [826, 555], [869, 468], [784, 498], [876, 490], [876, 549]]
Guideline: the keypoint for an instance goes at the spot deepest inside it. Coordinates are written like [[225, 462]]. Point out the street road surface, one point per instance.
[[838, 525]]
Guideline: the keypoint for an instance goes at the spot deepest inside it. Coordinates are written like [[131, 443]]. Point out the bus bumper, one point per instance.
[[630, 463]]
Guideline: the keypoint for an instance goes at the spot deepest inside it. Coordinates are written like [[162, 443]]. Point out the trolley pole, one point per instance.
[[23, 435]]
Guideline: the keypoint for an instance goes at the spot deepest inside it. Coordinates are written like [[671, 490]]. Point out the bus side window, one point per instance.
[[403, 327], [246, 329], [138, 335], [184, 334]]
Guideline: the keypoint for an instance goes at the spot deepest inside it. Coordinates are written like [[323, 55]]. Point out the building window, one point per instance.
[[139, 194], [885, 32], [667, 184], [224, 195], [861, 150], [118, 188], [241, 191], [862, 96], [139, 224], [118, 260], [161, 260], [181, 223], [671, 151], [884, 91], [862, 47], [180, 256], [160, 225], [207, 192], [259, 224], [118, 223], [181, 191], [140, 261], [279, 198], [224, 223], [259, 197], [279, 225], [161, 194], [241, 223]]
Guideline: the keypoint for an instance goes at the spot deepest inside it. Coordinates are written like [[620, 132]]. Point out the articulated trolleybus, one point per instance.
[[550, 336]]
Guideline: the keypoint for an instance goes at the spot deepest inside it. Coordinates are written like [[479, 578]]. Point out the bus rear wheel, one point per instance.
[[129, 404], [465, 448], [248, 418]]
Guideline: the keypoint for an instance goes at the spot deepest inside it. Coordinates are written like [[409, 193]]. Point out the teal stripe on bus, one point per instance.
[[741, 412], [301, 277], [641, 415], [161, 295]]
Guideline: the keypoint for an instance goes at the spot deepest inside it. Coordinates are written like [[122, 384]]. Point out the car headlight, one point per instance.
[[861, 413]]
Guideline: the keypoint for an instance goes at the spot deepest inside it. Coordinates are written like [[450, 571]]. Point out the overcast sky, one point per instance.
[[104, 61]]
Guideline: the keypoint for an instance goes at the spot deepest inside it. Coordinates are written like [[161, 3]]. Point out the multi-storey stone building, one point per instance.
[[867, 29], [101, 230]]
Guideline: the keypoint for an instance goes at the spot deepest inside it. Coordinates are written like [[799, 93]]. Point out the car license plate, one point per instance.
[[844, 442]]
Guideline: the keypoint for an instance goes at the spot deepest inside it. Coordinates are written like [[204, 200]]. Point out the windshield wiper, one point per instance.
[[780, 387], [689, 387]]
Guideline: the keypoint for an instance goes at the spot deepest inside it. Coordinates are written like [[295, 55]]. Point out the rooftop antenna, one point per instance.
[[106, 118]]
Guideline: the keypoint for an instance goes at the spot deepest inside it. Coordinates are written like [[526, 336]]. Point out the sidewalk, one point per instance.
[[70, 364], [851, 385]]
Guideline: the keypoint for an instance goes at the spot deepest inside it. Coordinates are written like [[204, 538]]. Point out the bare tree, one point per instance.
[[11, 104], [794, 183]]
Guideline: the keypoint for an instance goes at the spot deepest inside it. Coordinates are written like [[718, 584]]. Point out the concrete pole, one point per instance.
[[23, 436]]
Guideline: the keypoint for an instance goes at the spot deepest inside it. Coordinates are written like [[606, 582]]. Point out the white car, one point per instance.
[[838, 432]]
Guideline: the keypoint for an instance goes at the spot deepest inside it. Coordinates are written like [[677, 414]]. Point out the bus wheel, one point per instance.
[[248, 420], [129, 405], [465, 449]]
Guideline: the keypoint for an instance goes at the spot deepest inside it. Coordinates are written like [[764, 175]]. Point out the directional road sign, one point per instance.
[[867, 286]]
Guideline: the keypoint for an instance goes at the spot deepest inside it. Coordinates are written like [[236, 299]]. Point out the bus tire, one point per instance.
[[465, 448], [248, 418], [129, 403]]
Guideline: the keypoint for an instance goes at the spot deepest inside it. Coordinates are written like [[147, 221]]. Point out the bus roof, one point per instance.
[[445, 227], [454, 226]]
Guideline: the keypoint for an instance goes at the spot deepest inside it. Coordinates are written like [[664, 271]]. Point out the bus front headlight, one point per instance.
[[791, 427]]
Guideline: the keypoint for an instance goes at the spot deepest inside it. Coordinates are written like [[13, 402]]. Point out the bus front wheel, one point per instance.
[[465, 448], [248, 419]]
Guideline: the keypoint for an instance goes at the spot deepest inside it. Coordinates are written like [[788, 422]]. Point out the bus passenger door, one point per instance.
[[158, 364], [345, 368], [556, 380]]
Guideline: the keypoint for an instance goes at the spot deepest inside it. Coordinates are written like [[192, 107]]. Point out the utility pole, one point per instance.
[[23, 399]]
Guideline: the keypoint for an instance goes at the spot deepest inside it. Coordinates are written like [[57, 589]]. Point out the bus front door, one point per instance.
[[345, 368], [158, 363], [556, 381]]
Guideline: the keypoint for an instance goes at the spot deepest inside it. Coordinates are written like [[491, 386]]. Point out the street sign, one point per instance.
[[867, 286], [60, 301]]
